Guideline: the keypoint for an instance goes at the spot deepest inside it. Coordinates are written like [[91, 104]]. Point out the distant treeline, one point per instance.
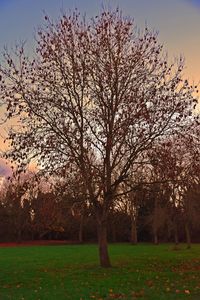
[[32, 211]]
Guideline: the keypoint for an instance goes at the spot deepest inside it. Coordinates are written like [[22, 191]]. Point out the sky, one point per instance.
[[177, 21]]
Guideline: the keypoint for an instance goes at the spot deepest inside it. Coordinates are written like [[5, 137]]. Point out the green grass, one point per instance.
[[72, 272]]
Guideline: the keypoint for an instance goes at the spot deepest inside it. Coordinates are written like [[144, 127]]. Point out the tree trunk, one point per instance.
[[168, 233], [80, 233], [155, 237], [103, 244], [19, 236], [50, 236], [156, 221], [134, 239], [176, 235], [188, 237]]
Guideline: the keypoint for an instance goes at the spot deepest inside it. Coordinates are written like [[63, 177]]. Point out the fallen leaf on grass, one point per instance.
[[6, 286], [138, 294], [116, 296], [18, 286], [149, 283]]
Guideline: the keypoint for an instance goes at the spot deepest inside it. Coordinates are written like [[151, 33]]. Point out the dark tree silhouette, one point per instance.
[[176, 162]]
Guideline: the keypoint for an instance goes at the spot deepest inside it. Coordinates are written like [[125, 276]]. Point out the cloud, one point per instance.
[[5, 169]]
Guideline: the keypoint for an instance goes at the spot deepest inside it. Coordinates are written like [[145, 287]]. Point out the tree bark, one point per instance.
[[134, 239], [168, 233], [188, 236], [19, 236], [176, 240], [156, 222], [155, 236], [103, 244], [80, 233]]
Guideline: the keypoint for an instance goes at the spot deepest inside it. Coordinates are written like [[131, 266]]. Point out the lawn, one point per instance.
[[72, 272]]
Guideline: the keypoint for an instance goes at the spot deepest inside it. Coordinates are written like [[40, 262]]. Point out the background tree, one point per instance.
[[70, 189], [176, 162], [47, 215], [16, 204]]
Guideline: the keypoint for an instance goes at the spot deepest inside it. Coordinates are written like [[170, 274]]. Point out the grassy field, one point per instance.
[[72, 272]]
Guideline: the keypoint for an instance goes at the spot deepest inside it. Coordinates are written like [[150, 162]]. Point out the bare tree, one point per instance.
[[176, 162], [47, 214], [70, 189], [97, 95], [16, 200], [133, 195]]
